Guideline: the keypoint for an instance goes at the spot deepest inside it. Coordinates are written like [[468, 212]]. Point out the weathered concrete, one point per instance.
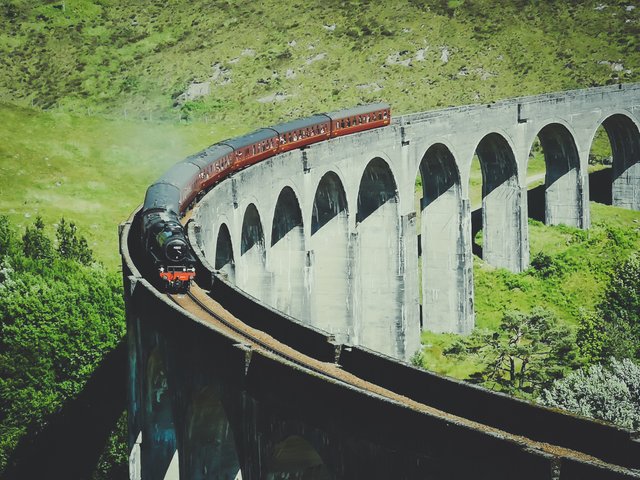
[[287, 257], [328, 260], [445, 279], [326, 181], [625, 146]]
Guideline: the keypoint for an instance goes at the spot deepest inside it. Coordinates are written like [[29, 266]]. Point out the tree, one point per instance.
[[614, 329], [70, 246], [7, 236], [35, 243], [58, 318], [526, 354], [608, 392]]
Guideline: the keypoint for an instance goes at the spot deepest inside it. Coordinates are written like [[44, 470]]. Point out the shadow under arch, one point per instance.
[[329, 201], [330, 292], [624, 137], [287, 257], [159, 442], [442, 242], [208, 443], [251, 273], [287, 215], [379, 322], [224, 260], [563, 183], [252, 232], [377, 187], [501, 204], [294, 458]]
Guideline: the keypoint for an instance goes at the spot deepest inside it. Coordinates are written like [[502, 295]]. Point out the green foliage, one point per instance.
[[7, 236], [114, 461], [607, 392], [525, 354], [111, 57], [613, 330], [35, 243], [58, 318], [417, 359], [591, 337], [71, 247], [544, 264], [622, 296]]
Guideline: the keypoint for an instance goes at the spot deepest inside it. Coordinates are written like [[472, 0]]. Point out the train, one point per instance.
[[166, 249]]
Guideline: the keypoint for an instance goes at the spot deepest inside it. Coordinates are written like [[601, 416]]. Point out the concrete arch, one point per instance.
[[503, 202], [563, 183], [329, 201], [329, 259], [159, 446], [377, 187], [209, 447], [624, 137], [287, 256], [295, 458], [224, 260], [251, 275], [444, 256], [379, 277]]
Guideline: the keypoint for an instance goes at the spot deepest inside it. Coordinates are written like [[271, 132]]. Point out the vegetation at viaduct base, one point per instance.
[[576, 309], [60, 313], [98, 98]]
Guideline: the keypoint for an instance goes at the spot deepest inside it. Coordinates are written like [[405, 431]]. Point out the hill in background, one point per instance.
[[255, 63]]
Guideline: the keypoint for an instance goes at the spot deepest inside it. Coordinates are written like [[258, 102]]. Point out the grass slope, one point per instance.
[[266, 61], [92, 171], [581, 263]]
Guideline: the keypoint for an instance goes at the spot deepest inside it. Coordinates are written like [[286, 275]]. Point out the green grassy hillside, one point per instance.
[[91, 170], [580, 263], [265, 61]]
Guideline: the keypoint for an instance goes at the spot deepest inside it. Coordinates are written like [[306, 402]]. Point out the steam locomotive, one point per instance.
[[162, 236]]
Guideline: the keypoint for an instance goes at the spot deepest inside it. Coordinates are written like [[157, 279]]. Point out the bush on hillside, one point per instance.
[[608, 392]]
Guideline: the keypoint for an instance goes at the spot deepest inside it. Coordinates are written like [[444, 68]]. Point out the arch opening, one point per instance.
[[624, 138], [329, 201], [600, 167], [287, 257], [442, 246], [379, 320], [503, 233], [295, 458], [328, 259], [159, 446], [224, 261], [208, 444], [563, 202], [377, 187], [252, 274], [252, 233]]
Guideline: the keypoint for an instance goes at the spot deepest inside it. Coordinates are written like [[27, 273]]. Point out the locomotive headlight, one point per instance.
[[176, 250]]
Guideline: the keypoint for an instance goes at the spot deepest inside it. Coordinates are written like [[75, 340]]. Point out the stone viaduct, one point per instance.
[[329, 234], [319, 248]]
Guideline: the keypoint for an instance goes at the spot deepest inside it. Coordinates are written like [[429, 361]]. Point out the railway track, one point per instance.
[[201, 305]]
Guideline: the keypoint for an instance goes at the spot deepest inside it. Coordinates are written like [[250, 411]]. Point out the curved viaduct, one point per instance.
[[330, 236]]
